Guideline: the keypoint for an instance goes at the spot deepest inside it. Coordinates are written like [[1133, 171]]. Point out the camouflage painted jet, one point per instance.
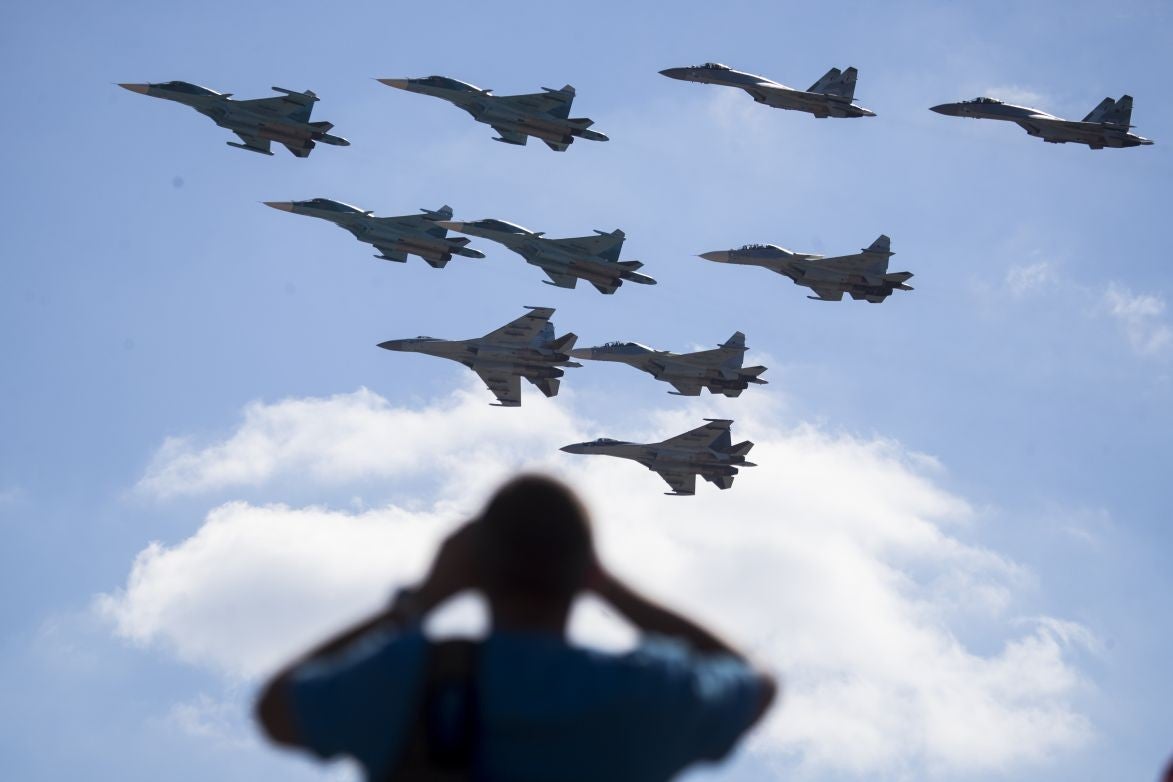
[[284, 119], [863, 275], [707, 451], [525, 348], [719, 370], [1105, 126], [394, 237], [565, 261], [830, 96], [544, 115]]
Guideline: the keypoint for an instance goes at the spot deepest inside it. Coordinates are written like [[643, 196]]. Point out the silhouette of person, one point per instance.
[[522, 704]]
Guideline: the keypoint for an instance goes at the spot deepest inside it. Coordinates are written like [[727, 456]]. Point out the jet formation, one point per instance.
[[525, 347], [707, 451], [718, 371], [284, 119], [544, 115], [565, 261], [863, 275], [830, 96], [1106, 125], [394, 237]]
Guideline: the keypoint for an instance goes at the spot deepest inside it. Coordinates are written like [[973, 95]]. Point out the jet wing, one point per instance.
[[682, 483], [608, 287], [252, 143], [506, 387], [523, 330], [558, 146], [826, 294], [510, 136], [560, 279], [553, 102], [294, 105], [701, 437], [598, 244], [686, 387]]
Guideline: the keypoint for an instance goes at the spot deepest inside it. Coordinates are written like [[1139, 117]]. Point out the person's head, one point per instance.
[[536, 548]]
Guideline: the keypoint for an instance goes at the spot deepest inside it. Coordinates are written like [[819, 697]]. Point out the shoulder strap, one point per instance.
[[442, 743]]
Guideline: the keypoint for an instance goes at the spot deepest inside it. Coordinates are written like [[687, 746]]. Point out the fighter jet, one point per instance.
[[719, 370], [525, 348], [864, 275], [565, 261], [544, 115], [830, 96], [706, 451], [394, 237], [285, 120], [1105, 126]]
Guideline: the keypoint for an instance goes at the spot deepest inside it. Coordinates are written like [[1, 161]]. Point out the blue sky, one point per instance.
[[1024, 386]]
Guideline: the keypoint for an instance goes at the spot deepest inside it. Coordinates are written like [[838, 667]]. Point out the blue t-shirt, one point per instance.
[[549, 711]]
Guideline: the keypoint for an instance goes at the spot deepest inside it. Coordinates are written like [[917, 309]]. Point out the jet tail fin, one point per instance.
[[882, 246], [563, 344], [736, 342], [840, 84], [741, 449], [1119, 113], [443, 213]]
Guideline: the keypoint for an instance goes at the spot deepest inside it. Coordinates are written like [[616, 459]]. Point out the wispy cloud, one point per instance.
[[831, 560], [1028, 278], [1017, 94], [1141, 316]]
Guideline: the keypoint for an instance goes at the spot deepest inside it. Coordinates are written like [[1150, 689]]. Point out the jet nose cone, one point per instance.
[[572, 448], [392, 344], [673, 73], [948, 109], [284, 206], [720, 256], [399, 84], [451, 225], [141, 89]]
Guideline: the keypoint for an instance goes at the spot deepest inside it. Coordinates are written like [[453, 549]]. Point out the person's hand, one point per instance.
[[454, 569]]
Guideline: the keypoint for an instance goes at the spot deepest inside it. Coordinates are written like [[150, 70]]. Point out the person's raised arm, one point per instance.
[[452, 571], [651, 617]]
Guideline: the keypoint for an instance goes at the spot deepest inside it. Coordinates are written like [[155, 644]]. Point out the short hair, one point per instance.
[[535, 540]]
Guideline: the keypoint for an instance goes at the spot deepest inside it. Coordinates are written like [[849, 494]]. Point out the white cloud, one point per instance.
[[1028, 278], [837, 561], [1142, 318]]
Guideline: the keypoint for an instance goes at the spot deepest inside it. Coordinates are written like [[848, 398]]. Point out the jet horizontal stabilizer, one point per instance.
[[741, 449], [250, 149], [308, 94], [631, 265]]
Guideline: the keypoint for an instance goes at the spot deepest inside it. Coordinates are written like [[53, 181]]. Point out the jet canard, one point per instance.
[[544, 115], [284, 119], [394, 237], [707, 451], [863, 275], [720, 371], [525, 347], [831, 96], [565, 261], [1107, 125]]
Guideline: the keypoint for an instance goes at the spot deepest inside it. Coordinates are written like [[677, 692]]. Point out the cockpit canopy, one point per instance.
[[188, 87], [500, 225], [716, 66], [982, 100], [330, 205], [770, 247], [606, 441], [449, 84]]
